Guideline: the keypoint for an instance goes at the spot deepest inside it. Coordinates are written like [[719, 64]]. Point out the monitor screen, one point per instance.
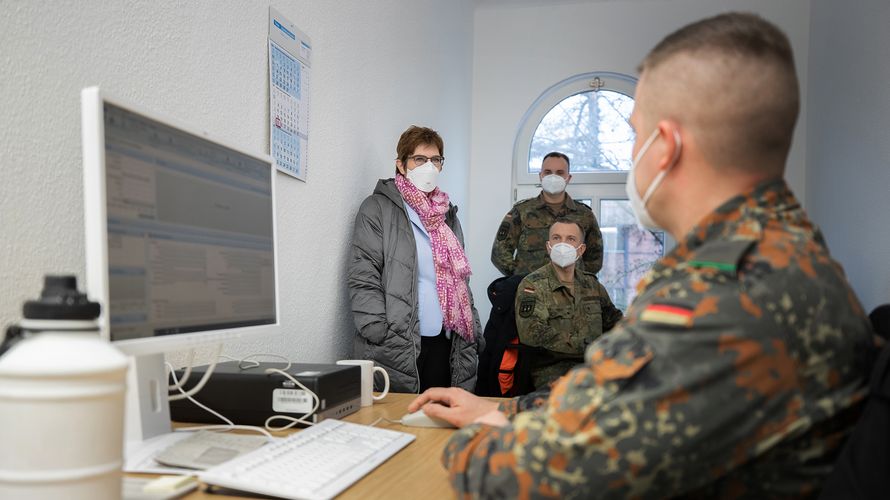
[[180, 231]]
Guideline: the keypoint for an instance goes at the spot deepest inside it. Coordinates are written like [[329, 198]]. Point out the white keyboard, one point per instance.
[[316, 463]]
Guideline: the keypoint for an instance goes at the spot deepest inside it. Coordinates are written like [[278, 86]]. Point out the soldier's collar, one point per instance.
[[568, 202], [555, 283], [740, 217], [724, 236]]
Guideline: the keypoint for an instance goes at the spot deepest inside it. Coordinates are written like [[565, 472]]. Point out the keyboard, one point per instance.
[[316, 463]]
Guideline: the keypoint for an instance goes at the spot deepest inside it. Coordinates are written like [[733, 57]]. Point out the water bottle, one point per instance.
[[61, 401]]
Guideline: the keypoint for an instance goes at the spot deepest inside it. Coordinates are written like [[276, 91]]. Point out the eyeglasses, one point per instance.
[[420, 160]]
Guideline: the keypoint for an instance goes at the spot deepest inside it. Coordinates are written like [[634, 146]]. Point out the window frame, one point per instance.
[[578, 84], [596, 186]]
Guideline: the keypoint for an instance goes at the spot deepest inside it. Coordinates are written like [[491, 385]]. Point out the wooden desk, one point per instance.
[[414, 472]]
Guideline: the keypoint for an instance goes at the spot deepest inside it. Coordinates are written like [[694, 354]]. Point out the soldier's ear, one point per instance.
[[581, 250]]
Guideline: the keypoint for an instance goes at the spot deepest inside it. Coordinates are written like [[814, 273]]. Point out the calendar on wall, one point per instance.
[[289, 56]]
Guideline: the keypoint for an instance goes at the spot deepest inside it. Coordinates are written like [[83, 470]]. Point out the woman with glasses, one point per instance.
[[408, 276]]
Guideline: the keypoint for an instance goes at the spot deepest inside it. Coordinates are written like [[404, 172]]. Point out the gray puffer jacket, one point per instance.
[[382, 278]]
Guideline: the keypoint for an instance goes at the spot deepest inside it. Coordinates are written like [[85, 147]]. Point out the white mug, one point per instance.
[[368, 369]]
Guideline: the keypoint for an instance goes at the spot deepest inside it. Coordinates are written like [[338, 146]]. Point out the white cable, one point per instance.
[[230, 425], [185, 376], [381, 419], [240, 361], [293, 420], [220, 427], [200, 385], [255, 364]]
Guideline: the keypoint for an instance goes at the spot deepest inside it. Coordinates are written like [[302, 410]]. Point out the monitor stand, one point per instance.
[[147, 428]]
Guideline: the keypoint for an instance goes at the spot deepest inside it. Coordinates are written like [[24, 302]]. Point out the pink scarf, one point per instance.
[[452, 266]]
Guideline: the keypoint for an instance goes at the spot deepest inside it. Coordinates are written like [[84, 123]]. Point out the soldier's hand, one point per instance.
[[454, 405]]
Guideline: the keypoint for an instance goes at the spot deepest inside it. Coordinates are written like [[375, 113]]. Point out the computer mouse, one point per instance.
[[421, 419]]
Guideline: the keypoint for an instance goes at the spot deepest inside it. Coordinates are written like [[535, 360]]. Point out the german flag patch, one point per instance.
[[667, 314]]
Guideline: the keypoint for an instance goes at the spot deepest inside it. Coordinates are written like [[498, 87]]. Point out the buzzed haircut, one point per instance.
[[740, 90], [557, 154], [733, 32], [563, 220]]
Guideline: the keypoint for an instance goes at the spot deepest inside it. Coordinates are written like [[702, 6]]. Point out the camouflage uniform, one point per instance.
[[526, 229], [561, 320], [737, 371]]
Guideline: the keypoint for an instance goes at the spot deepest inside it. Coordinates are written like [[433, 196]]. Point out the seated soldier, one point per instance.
[[560, 308]]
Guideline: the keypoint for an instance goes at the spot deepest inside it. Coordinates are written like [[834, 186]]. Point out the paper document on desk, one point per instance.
[[139, 456], [204, 449]]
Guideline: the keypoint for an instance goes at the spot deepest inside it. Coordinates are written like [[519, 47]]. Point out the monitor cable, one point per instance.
[[292, 421], [185, 375], [229, 424], [200, 385]]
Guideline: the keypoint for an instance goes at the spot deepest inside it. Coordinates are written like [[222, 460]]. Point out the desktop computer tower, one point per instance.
[[249, 395]]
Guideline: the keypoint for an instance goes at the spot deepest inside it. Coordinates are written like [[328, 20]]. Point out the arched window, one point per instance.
[[591, 128], [587, 118]]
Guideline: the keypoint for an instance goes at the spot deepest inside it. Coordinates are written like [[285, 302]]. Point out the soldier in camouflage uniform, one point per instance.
[[519, 244], [742, 364], [561, 309]]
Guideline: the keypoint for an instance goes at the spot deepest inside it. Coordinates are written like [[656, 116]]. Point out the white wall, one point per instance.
[[377, 67], [848, 151], [523, 48]]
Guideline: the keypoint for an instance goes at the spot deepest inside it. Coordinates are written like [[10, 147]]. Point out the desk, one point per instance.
[[414, 472]]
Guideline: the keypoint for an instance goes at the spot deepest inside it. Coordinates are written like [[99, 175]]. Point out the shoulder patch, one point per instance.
[[528, 289], [617, 358], [527, 306], [721, 255], [667, 314], [504, 230]]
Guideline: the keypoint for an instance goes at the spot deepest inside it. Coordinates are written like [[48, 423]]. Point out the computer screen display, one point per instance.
[[183, 233], [180, 244]]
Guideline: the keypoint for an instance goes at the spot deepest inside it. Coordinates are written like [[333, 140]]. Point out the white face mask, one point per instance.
[[424, 177], [553, 184], [638, 204], [563, 254]]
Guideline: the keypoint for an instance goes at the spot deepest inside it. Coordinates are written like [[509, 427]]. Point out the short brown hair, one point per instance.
[[732, 33], [415, 136], [565, 220], [731, 77], [557, 154]]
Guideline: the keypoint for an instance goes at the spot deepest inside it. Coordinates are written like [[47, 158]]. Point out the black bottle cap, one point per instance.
[[60, 300]]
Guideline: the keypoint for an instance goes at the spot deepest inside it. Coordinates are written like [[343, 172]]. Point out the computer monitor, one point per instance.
[[180, 243]]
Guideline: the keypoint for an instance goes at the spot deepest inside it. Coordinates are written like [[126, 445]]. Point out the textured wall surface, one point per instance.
[[522, 48], [377, 67], [469, 69], [848, 151]]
